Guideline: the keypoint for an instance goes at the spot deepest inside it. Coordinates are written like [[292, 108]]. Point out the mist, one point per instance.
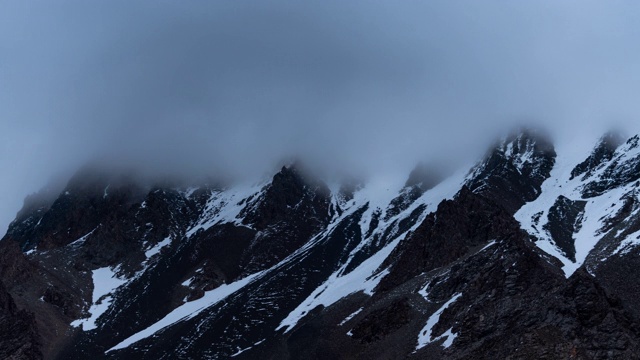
[[235, 88]]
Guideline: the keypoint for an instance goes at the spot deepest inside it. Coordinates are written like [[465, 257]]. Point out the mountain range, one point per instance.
[[529, 253]]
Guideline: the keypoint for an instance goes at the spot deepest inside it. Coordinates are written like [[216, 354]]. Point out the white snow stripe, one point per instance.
[[188, 310], [425, 336]]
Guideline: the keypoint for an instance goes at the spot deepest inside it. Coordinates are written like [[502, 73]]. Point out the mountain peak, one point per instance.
[[603, 152], [513, 171]]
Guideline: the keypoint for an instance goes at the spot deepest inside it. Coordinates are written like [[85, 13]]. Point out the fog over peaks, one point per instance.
[[236, 88]]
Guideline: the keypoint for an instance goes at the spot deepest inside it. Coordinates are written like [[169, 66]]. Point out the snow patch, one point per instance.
[[377, 194], [520, 160], [628, 244], [81, 240], [450, 336], [105, 282], [491, 243], [225, 206], [426, 337], [241, 351], [189, 191], [350, 316], [156, 249]]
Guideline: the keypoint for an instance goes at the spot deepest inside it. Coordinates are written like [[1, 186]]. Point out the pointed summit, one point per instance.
[[513, 171], [622, 168], [602, 153], [422, 179]]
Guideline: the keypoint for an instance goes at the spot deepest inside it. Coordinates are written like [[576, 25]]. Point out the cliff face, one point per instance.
[[514, 258], [18, 331]]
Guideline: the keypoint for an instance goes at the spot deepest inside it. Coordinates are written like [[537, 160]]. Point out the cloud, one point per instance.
[[234, 87]]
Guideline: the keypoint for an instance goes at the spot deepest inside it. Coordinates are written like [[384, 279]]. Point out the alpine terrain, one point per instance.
[[530, 253]]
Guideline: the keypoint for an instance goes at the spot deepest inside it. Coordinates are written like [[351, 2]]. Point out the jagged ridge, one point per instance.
[[437, 267]]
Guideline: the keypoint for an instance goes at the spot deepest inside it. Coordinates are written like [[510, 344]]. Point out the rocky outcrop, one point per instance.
[[563, 220], [458, 225], [622, 168]]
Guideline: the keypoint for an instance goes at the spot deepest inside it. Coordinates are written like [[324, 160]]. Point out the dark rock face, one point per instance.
[[615, 275], [573, 320], [564, 219], [87, 200], [514, 170], [379, 323], [560, 320], [467, 221], [289, 196], [54, 296], [35, 206], [19, 338]]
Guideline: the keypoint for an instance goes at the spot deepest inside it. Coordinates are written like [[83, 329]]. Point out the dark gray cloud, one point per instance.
[[236, 86]]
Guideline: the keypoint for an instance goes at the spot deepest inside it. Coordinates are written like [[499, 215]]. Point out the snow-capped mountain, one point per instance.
[[531, 253]]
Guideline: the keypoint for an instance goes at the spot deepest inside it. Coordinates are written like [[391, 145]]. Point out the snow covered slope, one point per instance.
[[585, 200]]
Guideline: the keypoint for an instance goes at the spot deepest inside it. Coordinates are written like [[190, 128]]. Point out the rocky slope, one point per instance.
[[529, 254]]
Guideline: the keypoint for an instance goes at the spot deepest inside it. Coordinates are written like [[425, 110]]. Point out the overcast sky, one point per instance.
[[236, 86]]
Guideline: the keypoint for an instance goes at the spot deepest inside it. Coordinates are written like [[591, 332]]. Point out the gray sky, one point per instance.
[[236, 86]]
